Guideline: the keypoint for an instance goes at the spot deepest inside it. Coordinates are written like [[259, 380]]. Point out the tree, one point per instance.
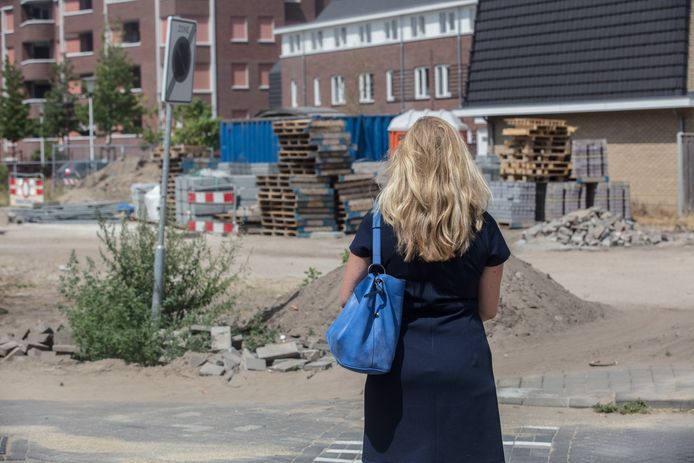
[[195, 125], [60, 108], [116, 108], [14, 114]]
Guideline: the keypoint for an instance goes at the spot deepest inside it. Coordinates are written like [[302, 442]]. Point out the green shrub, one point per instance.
[[109, 306], [627, 408], [4, 186], [311, 275]]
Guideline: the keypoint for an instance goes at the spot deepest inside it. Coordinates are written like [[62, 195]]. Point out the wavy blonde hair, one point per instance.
[[435, 194]]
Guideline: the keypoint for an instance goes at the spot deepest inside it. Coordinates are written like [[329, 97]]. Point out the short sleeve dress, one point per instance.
[[438, 403]]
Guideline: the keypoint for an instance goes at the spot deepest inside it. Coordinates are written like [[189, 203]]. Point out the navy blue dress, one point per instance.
[[438, 403]]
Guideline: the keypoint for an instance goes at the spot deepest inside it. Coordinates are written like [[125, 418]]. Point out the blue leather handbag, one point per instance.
[[364, 336]]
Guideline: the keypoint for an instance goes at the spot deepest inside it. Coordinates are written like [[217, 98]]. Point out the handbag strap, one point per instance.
[[376, 238]]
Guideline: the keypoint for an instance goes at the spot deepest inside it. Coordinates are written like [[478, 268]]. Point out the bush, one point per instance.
[[4, 186], [109, 307]]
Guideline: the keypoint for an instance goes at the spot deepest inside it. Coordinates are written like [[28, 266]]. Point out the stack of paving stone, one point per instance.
[[300, 200], [539, 150], [229, 355], [355, 198], [513, 203], [39, 341], [593, 227], [561, 198], [589, 160], [614, 197]]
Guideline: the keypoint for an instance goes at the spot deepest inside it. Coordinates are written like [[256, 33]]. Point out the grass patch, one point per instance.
[[627, 408]]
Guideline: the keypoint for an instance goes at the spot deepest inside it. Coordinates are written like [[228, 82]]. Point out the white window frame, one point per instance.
[[316, 92], [365, 33], [447, 22], [337, 90], [340, 37], [390, 96], [366, 88], [418, 26], [294, 93], [317, 40], [245, 27], [392, 29], [443, 81], [421, 77]]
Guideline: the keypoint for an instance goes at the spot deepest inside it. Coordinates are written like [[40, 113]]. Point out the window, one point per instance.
[[337, 90], [340, 37], [366, 88], [10, 55], [86, 42], [201, 77], [392, 29], [267, 28], [37, 89], [131, 32], [294, 92], [390, 96], [365, 33], [239, 75], [316, 92], [137, 76], [239, 29], [9, 21], [38, 50], [317, 40], [37, 12], [264, 75], [85, 4], [418, 26], [447, 22], [442, 76], [421, 83], [295, 43]]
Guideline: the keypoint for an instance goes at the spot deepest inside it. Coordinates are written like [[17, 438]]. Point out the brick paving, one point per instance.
[[658, 386]]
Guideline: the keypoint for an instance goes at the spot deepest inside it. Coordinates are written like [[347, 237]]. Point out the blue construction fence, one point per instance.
[[254, 141]]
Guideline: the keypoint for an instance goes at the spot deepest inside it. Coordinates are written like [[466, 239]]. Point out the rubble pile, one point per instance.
[[39, 341], [593, 227], [228, 355]]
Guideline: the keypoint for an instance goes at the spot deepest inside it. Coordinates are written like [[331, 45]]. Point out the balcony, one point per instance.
[[38, 69], [38, 30]]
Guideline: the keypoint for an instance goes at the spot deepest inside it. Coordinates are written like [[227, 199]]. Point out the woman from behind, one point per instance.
[[438, 403]]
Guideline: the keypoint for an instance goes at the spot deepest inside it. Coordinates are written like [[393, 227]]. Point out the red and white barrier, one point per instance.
[[210, 226], [211, 197], [26, 191]]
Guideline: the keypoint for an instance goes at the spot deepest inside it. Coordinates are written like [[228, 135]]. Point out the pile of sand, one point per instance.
[[531, 303], [112, 183]]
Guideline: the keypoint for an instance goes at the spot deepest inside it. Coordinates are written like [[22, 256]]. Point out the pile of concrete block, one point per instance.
[[561, 198], [39, 341], [591, 228], [614, 197], [228, 356], [589, 159], [513, 203]]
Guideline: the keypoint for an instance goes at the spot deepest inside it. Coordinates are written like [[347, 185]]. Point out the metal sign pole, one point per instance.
[[159, 254]]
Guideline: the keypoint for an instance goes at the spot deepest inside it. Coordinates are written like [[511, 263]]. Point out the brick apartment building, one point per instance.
[[236, 45], [622, 71], [378, 56]]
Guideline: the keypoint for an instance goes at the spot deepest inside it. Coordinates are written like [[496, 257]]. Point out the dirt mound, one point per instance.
[[112, 183], [531, 303]]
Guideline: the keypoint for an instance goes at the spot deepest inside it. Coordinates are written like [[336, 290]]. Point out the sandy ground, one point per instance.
[[650, 288]]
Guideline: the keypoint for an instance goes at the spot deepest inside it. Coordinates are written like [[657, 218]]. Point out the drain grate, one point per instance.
[[341, 451]]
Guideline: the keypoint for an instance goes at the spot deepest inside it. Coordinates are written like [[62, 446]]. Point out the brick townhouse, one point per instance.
[[619, 70], [378, 56], [236, 45]]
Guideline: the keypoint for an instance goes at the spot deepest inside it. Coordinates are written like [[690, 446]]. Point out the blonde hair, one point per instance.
[[435, 194]]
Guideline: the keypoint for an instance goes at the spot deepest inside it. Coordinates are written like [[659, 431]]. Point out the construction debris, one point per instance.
[[591, 228], [37, 341], [71, 212]]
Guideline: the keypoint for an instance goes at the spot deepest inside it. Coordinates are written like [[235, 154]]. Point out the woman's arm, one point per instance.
[[490, 287], [355, 271]]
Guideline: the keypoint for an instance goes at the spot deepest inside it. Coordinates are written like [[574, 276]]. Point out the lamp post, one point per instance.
[[89, 83]]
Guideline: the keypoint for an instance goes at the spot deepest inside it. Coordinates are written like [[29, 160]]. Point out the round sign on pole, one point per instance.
[[178, 61]]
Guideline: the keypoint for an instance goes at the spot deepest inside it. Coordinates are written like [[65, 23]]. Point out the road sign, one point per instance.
[[25, 191], [179, 61]]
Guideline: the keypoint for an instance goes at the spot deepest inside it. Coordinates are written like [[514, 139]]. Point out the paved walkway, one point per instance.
[[660, 387]]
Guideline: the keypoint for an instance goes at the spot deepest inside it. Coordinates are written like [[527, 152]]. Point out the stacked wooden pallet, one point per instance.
[[355, 197], [177, 155], [539, 150], [300, 199]]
